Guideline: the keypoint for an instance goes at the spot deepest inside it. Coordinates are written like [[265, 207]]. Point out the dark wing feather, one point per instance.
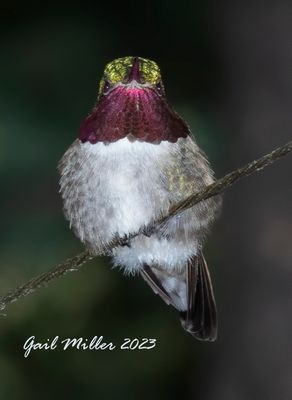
[[200, 319], [155, 284]]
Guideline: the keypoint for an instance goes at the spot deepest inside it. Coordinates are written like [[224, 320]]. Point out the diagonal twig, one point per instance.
[[69, 265], [75, 263]]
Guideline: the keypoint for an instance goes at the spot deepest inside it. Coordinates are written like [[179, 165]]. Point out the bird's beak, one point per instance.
[[134, 74]]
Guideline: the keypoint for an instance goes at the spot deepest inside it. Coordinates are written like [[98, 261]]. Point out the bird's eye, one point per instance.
[[159, 87], [106, 86]]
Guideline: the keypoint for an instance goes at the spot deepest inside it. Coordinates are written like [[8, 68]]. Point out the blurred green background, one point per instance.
[[227, 70]]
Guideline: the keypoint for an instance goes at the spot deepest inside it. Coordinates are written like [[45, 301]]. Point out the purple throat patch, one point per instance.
[[138, 113]]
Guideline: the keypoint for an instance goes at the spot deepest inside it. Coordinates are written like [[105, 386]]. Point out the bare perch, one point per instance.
[[70, 265], [74, 263]]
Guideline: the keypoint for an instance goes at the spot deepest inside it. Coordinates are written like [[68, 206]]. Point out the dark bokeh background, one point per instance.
[[227, 69]]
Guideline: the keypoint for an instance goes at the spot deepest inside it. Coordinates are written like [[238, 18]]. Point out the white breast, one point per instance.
[[113, 189]]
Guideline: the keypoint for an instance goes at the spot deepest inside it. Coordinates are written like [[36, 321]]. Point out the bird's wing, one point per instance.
[[171, 286], [153, 281], [200, 319]]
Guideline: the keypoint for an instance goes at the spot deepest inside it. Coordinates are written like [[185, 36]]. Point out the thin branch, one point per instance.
[[74, 263], [70, 265]]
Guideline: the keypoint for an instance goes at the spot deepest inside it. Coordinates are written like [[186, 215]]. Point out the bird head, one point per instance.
[[131, 73], [131, 103]]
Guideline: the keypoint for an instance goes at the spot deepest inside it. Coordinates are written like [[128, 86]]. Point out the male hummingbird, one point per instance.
[[134, 158]]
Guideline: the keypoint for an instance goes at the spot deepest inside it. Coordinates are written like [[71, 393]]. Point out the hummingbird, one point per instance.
[[134, 158]]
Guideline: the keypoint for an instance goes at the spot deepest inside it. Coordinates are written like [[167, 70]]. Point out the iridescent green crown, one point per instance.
[[117, 71]]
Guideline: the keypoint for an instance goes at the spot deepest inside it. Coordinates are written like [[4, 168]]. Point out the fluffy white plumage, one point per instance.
[[117, 188]]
